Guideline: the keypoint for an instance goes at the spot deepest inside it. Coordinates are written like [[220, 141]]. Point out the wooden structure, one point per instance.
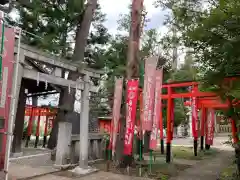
[[104, 124], [40, 73]]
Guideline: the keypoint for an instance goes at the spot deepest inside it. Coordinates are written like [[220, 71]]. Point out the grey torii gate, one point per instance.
[[28, 55]]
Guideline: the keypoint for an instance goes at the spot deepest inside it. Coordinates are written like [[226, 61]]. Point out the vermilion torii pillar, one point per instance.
[[170, 108]]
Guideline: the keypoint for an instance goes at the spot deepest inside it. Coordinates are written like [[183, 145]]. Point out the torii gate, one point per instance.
[[202, 100], [212, 103]]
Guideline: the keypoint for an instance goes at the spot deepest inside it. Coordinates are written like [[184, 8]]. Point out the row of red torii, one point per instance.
[[33, 115], [205, 101]]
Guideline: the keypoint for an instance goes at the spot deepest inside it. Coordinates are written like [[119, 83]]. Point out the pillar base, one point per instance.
[[168, 154], [195, 145], [162, 146], [44, 141], [36, 142], [27, 141], [207, 146], [83, 171], [202, 143]]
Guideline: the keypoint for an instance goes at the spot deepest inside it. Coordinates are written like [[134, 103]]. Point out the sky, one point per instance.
[[114, 8]]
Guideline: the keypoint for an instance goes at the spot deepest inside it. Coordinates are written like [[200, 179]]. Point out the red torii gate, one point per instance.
[[213, 103], [204, 100]]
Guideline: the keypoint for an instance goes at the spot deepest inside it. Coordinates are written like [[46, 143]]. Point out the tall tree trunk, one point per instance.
[[133, 61], [19, 124], [68, 99]]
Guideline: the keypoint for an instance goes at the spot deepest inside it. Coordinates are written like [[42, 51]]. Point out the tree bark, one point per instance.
[[19, 124], [68, 99], [133, 62]]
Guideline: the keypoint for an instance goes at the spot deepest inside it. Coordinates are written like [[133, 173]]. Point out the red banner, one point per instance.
[[148, 92], [131, 108], [157, 109], [6, 84], [116, 112], [210, 127], [194, 115]]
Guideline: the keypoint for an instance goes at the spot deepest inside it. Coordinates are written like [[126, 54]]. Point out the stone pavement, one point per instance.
[[95, 176], [202, 170], [29, 166], [21, 168], [207, 169]]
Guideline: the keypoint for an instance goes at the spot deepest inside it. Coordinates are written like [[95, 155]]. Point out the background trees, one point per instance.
[[211, 30], [57, 24]]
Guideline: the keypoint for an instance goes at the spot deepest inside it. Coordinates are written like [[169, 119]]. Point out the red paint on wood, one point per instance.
[[46, 126], [169, 118], [30, 122], [38, 124], [7, 63], [234, 131]]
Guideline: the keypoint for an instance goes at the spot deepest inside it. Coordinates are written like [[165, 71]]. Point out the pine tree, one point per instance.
[[58, 29]]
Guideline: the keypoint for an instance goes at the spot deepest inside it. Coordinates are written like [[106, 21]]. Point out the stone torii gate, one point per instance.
[[32, 64]]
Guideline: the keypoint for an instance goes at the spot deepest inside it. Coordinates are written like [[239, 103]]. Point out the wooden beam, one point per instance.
[[34, 54], [39, 68], [180, 84], [189, 95], [37, 55], [43, 93], [31, 74]]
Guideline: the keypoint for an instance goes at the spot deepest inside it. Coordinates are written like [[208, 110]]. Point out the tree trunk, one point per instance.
[[67, 99], [19, 123], [133, 61]]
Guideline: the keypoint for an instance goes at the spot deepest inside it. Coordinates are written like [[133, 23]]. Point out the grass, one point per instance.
[[181, 152], [159, 171], [229, 173]]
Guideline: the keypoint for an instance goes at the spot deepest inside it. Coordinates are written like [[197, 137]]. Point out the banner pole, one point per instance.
[[150, 162], [140, 155], [2, 47], [140, 132]]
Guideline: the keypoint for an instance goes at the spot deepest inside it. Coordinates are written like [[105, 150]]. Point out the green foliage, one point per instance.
[[51, 26], [51, 21], [211, 30], [54, 25]]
